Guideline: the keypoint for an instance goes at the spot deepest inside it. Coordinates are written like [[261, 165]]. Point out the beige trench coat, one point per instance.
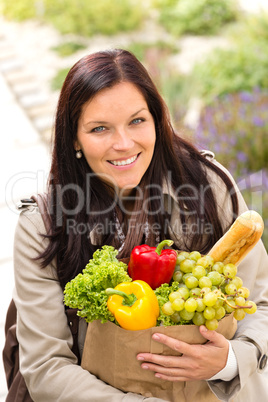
[[47, 363]]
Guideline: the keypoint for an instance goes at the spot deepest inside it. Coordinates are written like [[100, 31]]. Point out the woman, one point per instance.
[[121, 176]]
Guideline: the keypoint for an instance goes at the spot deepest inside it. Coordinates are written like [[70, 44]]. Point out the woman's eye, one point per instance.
[[137, 121], [98, 129]]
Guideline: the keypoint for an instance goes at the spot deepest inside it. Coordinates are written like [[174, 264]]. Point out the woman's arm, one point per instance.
[[46, 361]]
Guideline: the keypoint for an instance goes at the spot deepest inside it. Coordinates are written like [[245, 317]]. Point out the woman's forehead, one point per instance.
[[123, 96]]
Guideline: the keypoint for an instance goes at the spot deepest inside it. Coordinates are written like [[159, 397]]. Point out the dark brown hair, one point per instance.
[[173, 156]]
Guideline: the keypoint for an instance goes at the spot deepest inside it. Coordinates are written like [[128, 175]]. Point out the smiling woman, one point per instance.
[[111, 114], [120, 176], [116, 134]]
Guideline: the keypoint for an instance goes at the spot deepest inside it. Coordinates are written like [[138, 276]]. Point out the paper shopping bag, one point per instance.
[[110, 354]]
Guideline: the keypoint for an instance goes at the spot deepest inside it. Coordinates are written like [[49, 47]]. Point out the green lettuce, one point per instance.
[[86, 292]]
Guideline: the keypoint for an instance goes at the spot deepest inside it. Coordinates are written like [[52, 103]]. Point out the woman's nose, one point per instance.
[[122, 140]]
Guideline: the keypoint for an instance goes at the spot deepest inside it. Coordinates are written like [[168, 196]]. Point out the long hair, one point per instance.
[[73, 201]]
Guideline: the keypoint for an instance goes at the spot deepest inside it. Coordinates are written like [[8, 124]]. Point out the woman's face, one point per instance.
[[116, 133]]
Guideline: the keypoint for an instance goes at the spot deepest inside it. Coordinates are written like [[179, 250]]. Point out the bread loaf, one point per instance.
[[239, 239]]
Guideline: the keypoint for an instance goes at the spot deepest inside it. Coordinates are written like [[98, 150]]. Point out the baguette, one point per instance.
[[237, 242]]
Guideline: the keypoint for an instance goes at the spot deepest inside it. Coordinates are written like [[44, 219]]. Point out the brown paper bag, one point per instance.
[[110, 354]]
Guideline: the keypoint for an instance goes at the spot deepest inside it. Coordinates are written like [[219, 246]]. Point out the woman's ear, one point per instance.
[[76, 146]]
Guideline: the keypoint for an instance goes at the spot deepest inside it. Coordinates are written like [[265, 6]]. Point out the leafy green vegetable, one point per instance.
[[86, 291]]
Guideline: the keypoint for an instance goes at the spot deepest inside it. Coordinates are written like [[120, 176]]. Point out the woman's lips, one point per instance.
[[124, 162]]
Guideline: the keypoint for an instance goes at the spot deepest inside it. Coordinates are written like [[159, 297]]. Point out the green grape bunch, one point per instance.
[[203, 292]]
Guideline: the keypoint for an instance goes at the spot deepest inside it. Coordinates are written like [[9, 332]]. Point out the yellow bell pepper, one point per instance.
[[134, 305]]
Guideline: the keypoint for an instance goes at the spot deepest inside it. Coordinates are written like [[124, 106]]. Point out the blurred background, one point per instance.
[[209, 59]]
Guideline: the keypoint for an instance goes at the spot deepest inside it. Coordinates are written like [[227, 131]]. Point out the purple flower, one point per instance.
[[246, 96], [257, 90], [258, 121], [232, 140], [217, 147], [241, 156], [225, 138], [199, 133]]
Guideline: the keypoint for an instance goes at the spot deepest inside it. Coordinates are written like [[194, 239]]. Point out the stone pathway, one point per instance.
[[27, 65]]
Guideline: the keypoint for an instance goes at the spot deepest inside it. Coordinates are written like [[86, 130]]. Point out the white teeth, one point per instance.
[[124, 163]]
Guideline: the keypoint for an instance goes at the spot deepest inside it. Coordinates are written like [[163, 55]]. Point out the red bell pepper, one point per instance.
[[152, 264]]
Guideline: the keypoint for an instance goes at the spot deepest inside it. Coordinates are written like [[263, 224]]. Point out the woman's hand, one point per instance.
[[198, 362]]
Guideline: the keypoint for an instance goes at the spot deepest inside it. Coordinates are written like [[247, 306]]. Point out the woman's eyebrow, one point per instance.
[[134, 114], [106, 122], [95, 122]]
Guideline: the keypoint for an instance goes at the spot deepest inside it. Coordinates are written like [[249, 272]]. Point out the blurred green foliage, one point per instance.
[[89, 17], [18, 10], [229, 71], [241, 68], [176, 91], [161, 5], [59, 78], [141, 49], [252, 27], [80, 17], [197, 17], [68, 48]]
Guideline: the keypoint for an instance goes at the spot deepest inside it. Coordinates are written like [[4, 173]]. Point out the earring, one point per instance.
[[79, 154]]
